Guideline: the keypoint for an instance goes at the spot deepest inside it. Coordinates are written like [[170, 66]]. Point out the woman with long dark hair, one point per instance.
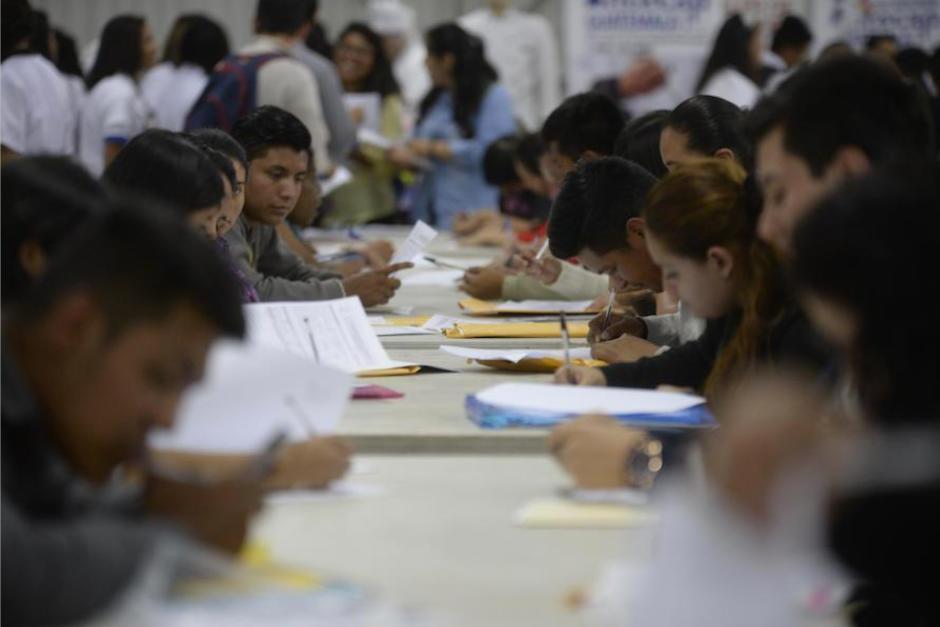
[[364, 68], [465, 112], [114, 111], [733, 65]]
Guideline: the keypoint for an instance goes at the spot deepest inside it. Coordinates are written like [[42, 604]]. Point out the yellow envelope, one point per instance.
[[412, 321], [556, 513], [516, 329], [477, 307], [537, 365], [389, 372]]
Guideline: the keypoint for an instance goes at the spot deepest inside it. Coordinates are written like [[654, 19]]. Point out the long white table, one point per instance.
[[442, 538]]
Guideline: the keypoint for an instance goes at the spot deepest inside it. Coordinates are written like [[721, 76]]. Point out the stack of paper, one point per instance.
[[477, 307], [250, 394], [557, 513], [544, 405], [333, 332], [524, 360]]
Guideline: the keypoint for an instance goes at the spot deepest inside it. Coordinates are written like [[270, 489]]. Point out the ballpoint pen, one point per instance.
[[610, 307], [442, 264], [566, 345]]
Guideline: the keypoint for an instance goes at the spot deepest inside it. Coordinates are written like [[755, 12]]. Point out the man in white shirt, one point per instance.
[[395, 22], [286, 82], [522, 48], [36, 113]]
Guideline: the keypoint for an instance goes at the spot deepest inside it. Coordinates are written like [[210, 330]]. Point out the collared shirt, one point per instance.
[[730, 84], [173, 102], [522, 48], [113, 111], [37, 113], [69, 550], [458, 185]]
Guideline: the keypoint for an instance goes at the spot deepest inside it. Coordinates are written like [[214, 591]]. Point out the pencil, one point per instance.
[[610, 307], [542, 250]]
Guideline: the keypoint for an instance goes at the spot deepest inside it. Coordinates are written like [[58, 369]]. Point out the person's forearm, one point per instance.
[[295, 244]]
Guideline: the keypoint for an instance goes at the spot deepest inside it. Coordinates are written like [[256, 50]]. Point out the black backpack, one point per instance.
[[231, 92]]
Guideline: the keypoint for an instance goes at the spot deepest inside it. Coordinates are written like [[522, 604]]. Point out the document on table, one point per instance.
[[474, 306], [334, 332], [557, 513], [418, 240], [516, 355], [434, 278], [568, 399], [249, 394]]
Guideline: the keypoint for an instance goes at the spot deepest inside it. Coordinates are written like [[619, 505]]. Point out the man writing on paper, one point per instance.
[[278, 148]]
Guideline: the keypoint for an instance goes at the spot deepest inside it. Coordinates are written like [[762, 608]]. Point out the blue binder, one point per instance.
[[494, 417]]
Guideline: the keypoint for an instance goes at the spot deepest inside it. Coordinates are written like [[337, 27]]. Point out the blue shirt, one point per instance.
[[458, 185]]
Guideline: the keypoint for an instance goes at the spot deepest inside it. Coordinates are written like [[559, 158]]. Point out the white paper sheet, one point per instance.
[[546, 306], [370, 106], [439, 323], [338, 491], [341, 175], [515, 355], [249, 394], [393, 331], [584, 400], [336, 333], [418, 240], [436, 278]]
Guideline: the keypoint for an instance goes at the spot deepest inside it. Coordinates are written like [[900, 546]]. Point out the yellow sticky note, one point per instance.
[[390, 372], [556, 513]]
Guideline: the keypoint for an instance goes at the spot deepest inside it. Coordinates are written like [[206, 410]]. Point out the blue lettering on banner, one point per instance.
[[644, 16]]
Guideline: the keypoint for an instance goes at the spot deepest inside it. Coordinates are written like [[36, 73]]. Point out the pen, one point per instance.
[[443, 264], [566, 345], [542, 250], [610, 306], [313, 342], [263, 463]]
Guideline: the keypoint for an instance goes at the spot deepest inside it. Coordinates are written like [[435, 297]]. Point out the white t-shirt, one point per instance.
[[155, 81], [730, 84], [113, 110], [37, 115], [180, 92], [523, 49]]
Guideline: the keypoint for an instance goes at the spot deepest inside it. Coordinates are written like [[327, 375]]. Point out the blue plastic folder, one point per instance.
[[691, 415]]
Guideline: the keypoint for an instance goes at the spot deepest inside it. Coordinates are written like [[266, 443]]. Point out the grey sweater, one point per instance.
[[276, 272]]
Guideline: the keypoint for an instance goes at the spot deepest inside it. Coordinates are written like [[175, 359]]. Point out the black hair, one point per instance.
[[140, 261], [381, 79], [793, 32], [731, 49], [171, 47], [588, 121], [281, 17], [594, 204], [67, 61], [498, 165], [167, 167], [219, 140], [639, 142], [712, 123], [882, 229], [835, 50], [529, 151], [44, 199], [39, 35], [846, 101], [473, 75], [119, 51], [873, 41], [271, 127], [17, 25], [204, 43]]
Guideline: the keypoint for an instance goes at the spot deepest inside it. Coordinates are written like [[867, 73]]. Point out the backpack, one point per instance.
[[230, 93]]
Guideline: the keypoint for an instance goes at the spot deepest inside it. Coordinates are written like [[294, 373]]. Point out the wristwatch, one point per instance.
[[644, 461]]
